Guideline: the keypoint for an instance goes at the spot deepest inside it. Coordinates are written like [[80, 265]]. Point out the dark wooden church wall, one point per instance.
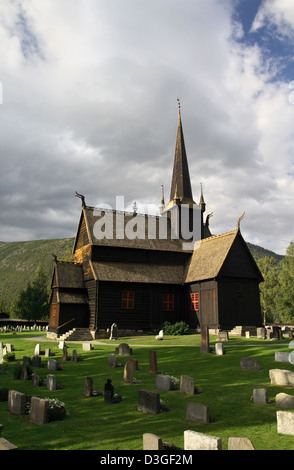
[[239, 303], [147, 312], [208, 304]]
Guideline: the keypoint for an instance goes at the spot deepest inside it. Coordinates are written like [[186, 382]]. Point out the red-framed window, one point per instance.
[[168, 302], [128, 299], [195, 301]]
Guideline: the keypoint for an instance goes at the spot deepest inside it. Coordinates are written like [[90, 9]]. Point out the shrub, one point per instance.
[[9, 357], [4, 394], [178, 328], [57, 409]]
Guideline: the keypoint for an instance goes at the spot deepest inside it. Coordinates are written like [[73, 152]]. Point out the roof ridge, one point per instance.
[[219, 235]]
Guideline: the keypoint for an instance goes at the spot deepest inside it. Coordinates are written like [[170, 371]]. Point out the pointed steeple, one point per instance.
[[181, 178]]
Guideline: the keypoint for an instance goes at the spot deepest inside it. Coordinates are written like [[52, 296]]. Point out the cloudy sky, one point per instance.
[[89, 94]]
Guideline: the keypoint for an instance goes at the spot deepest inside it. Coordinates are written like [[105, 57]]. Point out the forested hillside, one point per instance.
[[20, 260]]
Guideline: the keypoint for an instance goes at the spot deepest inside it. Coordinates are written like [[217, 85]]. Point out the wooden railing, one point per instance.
[[69, 321]]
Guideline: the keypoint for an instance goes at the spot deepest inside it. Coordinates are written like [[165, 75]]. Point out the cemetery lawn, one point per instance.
[[93, 425]]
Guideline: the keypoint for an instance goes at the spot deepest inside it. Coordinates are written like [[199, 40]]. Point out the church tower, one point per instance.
[[186, 215]]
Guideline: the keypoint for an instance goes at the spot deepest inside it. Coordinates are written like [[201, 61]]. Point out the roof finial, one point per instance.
[[82, 197], [239, 220]]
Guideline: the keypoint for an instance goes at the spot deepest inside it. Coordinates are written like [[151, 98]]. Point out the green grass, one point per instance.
[[93, 425]]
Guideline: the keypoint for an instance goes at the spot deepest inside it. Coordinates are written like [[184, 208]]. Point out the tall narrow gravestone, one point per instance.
[[204, 347], [39, 410], [153, 362], [148, 401]]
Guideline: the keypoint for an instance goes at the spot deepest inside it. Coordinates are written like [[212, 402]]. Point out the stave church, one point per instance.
[[139, 271]]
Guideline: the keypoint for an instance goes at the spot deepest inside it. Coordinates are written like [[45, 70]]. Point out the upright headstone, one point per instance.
[[35, 379], [285, 422], [248, 363], [74, 357], [148, 401], [87, 347], [24, 373], [129, 372], [113, 331], [152, 442], [37, 350], [187, 385], [124, 350], [112, 360], [163, 382], [52, 364], [260, 396], [1, 355], [197, 412], [219, 349], [16, 402], [51, 382], [64, 354], [285, 400], [88, 387], [108, 391], [39, 410], [47, 352], [36, 361], [281, 356], [194, 440], [153, 362], [240, 443], [281, 377]]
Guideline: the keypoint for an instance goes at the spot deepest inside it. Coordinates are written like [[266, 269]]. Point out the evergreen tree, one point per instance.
[[32, 302], [269, 289], [285, 300]]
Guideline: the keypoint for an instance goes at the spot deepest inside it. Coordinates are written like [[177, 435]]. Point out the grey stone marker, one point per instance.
[[281, 356], [219, 349], [51, 382], [187, 385], [39, 411], [112, 360], [35, 379], [152, 442], [47, 352], [16, 402], [124, 350], [148, 401], [36, 361], [197, 412], [284, 400], [248, 363], [285, 422], [52, 364], [88, 387], [281, 377], [198, 441], [74, 357], [260, 396], [129, 372], [163, 382], [240, 443]]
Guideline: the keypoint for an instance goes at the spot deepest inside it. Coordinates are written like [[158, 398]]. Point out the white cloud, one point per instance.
[[89, 91]]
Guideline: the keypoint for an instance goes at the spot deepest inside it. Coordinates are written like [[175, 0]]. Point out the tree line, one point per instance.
[[277, 290]]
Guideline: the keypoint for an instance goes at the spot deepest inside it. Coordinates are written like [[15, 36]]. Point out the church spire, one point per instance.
[[181, 178]]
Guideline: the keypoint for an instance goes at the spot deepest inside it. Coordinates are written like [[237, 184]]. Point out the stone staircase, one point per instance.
[[77, 334]]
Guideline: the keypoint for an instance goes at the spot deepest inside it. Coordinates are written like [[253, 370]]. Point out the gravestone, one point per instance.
[[187, 385], [152, 442], [108, 391], [74, 357], [153, 362], [47, 352], [128, 372], [219, 349], [285, 422], [260, 396], [39, 410], [112, 360], [61, 345], [281, 356], [124, 350], [6, 445], [24, 373], [9, 348], [64, 354], [113, 331], [197, 412], [194, 440], [281, 377], [284, 400], [1, 355], [51, 382], [88, 387], [134, 362], [26, 359], [163, 382], [261, 333], [36, 361], [87, 347], [35, 379], [37, 350], [223, 336], [148, 401], [240, 443], [16, 402], [52, 364], [248, 363]]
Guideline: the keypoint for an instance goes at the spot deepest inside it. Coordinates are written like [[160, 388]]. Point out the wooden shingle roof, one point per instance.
[[68, 275]]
